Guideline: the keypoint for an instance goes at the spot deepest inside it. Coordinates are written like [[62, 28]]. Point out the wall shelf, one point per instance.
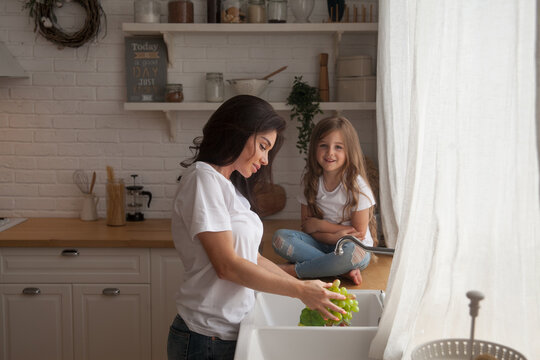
[[168, 30], [162, 28], [171, 110]]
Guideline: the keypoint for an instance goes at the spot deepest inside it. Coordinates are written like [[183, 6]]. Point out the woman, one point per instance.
[[218, 236]]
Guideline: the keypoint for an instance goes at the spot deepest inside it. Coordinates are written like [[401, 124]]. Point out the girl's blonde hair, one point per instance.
[[354, 166]]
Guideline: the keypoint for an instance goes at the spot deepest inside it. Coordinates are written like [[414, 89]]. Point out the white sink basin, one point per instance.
[[271, 331]]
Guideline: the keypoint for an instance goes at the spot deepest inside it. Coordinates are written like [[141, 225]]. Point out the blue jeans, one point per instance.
[[184, 344], [314, 259]]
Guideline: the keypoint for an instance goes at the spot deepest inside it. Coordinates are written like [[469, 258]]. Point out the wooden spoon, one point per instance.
[[92, 183], [274, 73]]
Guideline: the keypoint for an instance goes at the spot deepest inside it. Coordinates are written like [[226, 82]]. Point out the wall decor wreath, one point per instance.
[[45, 21]]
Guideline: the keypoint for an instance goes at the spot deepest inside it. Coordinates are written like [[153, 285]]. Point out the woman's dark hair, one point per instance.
[[227, 131]]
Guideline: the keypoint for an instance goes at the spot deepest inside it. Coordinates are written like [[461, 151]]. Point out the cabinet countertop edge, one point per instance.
[[73, 232]]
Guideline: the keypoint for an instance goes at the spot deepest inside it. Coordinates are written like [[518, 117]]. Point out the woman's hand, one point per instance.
[[316, 297]]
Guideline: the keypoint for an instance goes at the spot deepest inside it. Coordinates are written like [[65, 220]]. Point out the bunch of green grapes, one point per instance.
[[310, 317]]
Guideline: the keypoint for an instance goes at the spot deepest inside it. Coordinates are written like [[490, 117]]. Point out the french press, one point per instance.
[[134, 205]]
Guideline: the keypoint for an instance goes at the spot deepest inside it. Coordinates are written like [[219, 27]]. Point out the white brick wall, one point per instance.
[[69, 113]]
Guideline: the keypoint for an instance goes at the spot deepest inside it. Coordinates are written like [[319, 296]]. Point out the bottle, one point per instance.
[[180, 11], [233, 11], [146, 11], [277, 11], [324, 88], [213, 11], [174, 93], [256, 11], [214, 87]]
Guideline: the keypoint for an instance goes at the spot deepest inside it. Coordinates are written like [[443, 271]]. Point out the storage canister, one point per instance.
[[180, 11], [256, 11], [358, 88], [354, 66], [233, 11], [277, 11], [213, 11], [214, 87], [146, 11], [174, 93]]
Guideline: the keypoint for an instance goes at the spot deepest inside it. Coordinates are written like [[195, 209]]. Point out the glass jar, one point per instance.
[[146, 11], [174, 93], [256, 11], [213, 11], [233, 11], [214, 87], [180, 11], [277, 11]]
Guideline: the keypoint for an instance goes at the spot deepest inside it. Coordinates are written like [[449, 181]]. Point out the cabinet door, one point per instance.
[[36, 322], [167, 274], [111, 322]]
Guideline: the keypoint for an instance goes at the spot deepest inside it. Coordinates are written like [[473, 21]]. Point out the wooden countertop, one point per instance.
[[70, 232]]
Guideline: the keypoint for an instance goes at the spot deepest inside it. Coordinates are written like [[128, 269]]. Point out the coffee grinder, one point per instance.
[[135, 196]]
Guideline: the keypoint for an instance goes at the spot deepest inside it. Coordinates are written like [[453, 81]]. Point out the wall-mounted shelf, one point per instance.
[[167, 30], [161, 28], [171, 109]]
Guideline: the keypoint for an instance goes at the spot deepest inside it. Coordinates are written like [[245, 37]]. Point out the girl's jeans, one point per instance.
[[186, 344], [314, 259]]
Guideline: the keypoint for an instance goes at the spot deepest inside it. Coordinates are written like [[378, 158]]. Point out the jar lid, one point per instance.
[[174, 87]]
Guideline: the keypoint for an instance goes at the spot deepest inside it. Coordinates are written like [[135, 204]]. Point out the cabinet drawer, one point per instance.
[[64, 265]]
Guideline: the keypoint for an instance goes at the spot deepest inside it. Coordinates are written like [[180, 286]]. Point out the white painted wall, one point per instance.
[[69, 113]]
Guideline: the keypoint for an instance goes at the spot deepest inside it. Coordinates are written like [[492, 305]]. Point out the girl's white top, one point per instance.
[[331, 203], [207, 201]]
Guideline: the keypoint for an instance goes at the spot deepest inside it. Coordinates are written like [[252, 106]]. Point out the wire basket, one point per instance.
[[457, 349]]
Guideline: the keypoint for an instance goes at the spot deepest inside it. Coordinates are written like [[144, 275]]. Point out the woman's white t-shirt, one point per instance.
[[331, 203], [207, 201]]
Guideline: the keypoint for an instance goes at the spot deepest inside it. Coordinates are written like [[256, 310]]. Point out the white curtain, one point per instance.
[[459, 172]]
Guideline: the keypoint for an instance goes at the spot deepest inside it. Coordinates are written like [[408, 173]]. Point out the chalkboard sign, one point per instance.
[[146, 68]]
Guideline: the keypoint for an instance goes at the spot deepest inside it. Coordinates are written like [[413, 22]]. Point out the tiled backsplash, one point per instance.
[[69, 113]]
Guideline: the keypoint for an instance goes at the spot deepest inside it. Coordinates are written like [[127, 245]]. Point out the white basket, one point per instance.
[[457, 349]]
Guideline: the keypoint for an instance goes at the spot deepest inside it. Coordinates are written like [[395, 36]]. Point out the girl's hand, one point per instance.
[[316, 297], [349, 231], [309, 225]]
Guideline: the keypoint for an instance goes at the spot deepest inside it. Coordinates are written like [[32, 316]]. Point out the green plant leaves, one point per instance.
[[304, 100]]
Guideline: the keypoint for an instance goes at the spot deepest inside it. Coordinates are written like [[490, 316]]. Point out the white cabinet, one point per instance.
[[167, 274], [36, 322], [112, 321], [75, 304]]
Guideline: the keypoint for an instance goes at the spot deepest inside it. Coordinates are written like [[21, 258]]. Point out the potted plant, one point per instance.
[[304, 100]]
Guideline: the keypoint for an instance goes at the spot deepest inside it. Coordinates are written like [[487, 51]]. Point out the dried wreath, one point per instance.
[[45, 21]]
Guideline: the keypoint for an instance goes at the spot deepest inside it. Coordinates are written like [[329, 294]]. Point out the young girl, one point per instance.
[[337, 201]]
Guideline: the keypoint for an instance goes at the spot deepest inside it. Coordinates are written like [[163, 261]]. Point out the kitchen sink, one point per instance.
[[270, 331]]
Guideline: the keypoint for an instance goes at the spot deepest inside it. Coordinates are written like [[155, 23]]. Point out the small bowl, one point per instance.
[[253, 87]]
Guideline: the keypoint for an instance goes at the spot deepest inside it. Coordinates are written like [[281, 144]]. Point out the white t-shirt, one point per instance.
[[207, 201], [331, 203]]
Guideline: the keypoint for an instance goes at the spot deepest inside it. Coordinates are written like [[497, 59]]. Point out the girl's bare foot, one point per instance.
[[355, 276], [289, 269]]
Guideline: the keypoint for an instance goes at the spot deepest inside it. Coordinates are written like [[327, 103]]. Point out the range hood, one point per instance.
[[9, 67]]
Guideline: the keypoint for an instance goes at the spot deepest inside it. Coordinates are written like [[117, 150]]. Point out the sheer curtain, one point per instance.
[[458, 160]]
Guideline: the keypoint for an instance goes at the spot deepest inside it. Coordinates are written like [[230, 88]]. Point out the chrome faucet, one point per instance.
[[349, 238]]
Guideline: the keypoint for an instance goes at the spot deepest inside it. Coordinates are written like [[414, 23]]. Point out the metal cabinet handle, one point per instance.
[[31, 291], [70, 252], [111, 291]]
